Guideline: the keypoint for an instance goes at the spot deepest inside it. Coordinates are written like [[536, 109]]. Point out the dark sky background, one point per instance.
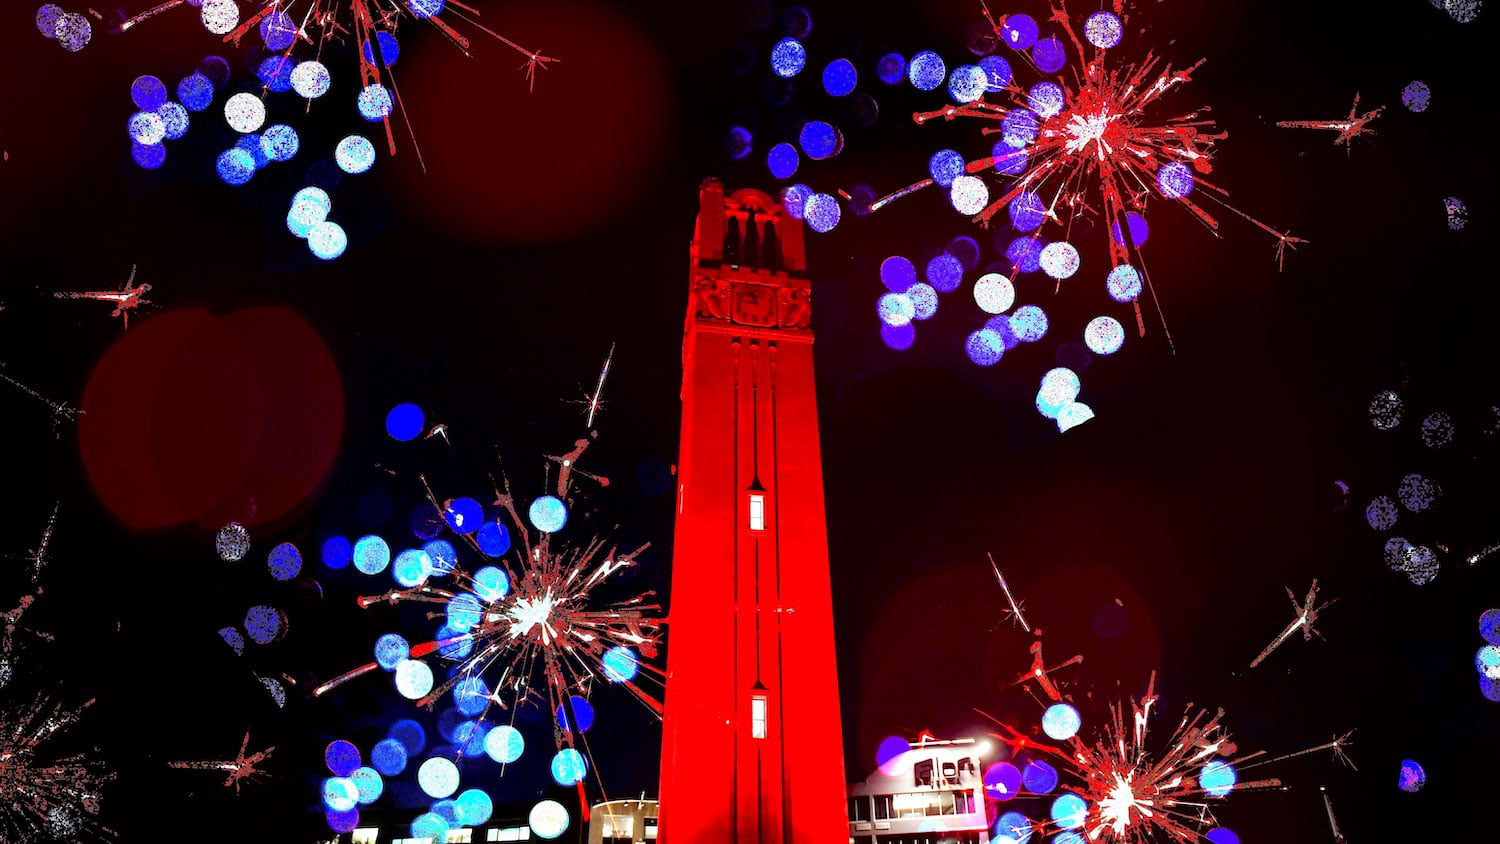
[[551, 225]]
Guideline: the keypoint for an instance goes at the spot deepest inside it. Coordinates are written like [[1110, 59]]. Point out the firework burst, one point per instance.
[[528, 626], [1115, 783], [1096, 141], [42, 799]]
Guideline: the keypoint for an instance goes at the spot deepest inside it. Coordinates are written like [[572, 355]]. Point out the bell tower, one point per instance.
[[752, 749]]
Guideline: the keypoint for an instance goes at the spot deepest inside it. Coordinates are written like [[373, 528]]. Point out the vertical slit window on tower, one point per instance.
[[758, 716], [757, 512]]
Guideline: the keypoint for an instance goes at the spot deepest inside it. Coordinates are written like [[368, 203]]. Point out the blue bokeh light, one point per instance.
[[326, 240], [568, 767], [1220, 835], [782, 160], [371, 554], [311, 79], [491, 584], [968, 83], [897, 273], [926, 70], [840, 78], [341, 757], [275, 72], [1068, 811], [410, 734], [464, 515], [1217, 778], [997, 72], [891, 68], [822, 212], [1489, 626], [895, 309], [1123, 283], [1060, 722], [404, 422], [1014, 826], [1029, 322], [374, 103], [1039, 777], [1049, 55], [620, 664], [284, 561], [493, 539], [945, 272], [471, 695], [195, 92], [984, 347], [442, 554], [264, 624], [429, 826], [148, 156], [1412, 776], [1019, 31], [411, 568], [457, 644], [794, 200], [474, 807], [354, 154], [148, 93], [1104, 335], [278, 31], [1025, 253], [898, 338], [340, 794], [1174, 180], [1046, 99], [390, 49], [235, 166], [1019, 128], [174, 120], [504, 744], [1002, 781], [1139, 231], [1072, 415], [924, 300], [548, 514], [1027, 213], [1103, 30], [389, 757], [582, 708], [337, 552], [945, 166], [280, 142], [788, 58], [820, 140], [391, 650], [738, 142], [369, 784], [413, 679], [1416, 96], [464, 611]]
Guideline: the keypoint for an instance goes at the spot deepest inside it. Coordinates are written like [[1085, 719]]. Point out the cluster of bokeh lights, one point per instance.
[[508, 631]]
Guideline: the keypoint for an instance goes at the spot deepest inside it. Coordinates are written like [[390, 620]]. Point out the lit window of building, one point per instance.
[[757, 511], [758, 716], [933, 780]]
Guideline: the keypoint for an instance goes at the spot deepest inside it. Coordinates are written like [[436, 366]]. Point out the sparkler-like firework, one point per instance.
[[1095, 143], [1113, 785], [241, 768], [1348, 129], [129, 297], [528, 625], [41, 799]]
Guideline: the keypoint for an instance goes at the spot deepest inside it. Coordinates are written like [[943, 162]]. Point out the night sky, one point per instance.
[[550, 225]]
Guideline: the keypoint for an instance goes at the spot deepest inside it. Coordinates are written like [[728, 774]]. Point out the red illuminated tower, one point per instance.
[[752, 749]]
